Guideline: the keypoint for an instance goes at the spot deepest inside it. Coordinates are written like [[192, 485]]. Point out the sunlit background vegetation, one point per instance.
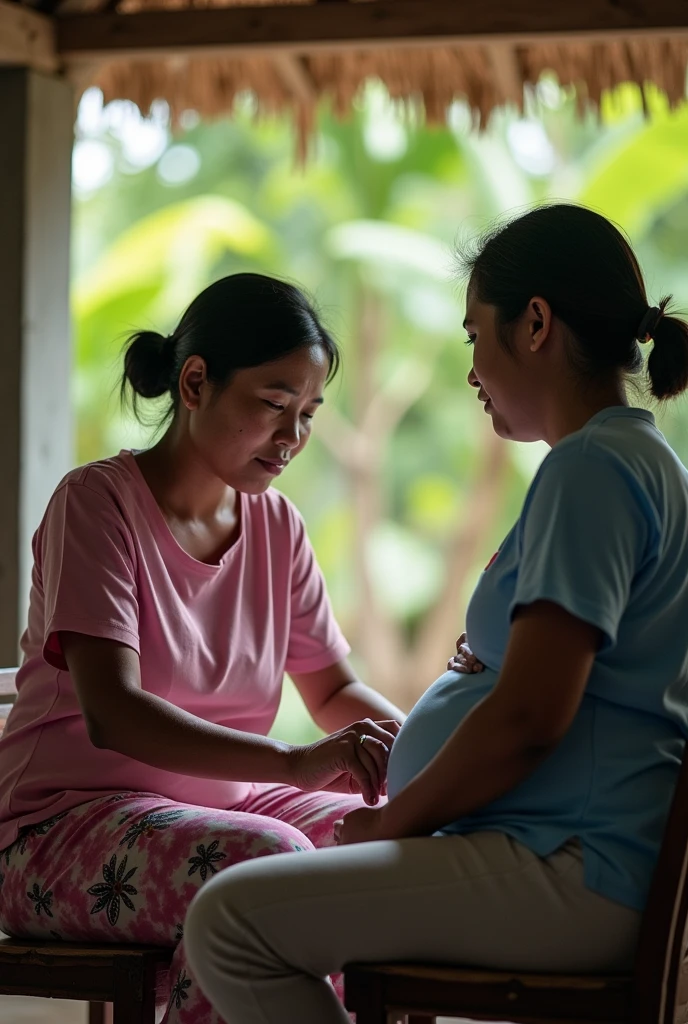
[[405, 489]]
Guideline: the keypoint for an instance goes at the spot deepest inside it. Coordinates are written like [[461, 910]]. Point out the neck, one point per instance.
[[571, 409], [182, 483]]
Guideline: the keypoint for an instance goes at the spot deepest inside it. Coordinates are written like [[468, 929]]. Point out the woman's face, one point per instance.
[[250, 431], [505, 381]]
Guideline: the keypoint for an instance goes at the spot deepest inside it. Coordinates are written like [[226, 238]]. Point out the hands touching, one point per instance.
[[352, 760], [464, 660], [367, 824], [362, 826]]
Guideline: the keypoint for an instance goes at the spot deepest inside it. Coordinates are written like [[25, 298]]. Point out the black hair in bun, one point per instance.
[[149, 364]]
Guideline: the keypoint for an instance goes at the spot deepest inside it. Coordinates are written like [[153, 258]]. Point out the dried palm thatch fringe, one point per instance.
[[431, 77]]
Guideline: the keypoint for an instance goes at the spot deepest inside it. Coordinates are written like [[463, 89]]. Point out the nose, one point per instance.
[[472, 379], [288, 436]]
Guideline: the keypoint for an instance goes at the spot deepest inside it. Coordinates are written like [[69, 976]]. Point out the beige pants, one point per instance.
[[262, 937]]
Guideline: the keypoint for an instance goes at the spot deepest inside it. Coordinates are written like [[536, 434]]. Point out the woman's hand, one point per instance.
[[361, 826], [464, 660], [352, 760]]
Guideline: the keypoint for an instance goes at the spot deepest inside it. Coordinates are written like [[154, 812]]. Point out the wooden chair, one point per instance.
[[655, 993], [124, 976]]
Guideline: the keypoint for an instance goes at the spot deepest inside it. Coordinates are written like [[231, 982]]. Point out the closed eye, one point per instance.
[[280, 408], [470, 340]]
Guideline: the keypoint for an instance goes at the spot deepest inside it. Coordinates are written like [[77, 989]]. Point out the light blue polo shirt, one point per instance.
[[604, 534]]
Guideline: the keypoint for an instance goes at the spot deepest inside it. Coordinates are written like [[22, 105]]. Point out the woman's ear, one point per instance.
[[539, 322], [191, 380]]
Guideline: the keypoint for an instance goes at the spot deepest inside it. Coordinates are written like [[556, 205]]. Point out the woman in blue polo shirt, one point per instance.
[[527, 803]]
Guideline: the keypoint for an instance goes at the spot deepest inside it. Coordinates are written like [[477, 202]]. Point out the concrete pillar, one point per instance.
[[36, 443]]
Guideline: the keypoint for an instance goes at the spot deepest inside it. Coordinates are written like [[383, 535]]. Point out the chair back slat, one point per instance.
[[661, 943], [8, 685], [4, 713], [8, 694]]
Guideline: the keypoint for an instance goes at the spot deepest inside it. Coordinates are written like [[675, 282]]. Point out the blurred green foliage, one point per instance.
[[400, 459]]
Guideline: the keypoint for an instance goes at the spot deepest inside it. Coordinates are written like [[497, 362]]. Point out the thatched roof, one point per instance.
[[507, 44]]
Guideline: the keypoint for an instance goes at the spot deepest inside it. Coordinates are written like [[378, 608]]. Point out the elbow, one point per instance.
[[541, 743], [108, 722], [97, 734], [537, 736], [537, 749]]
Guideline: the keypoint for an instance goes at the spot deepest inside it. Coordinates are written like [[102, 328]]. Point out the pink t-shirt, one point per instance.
[[212, 639]]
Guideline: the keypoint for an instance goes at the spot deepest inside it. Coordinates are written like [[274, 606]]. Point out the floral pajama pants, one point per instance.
[[125, 868]]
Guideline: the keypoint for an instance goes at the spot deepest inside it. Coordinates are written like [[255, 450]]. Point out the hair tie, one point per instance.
[[648, 325]]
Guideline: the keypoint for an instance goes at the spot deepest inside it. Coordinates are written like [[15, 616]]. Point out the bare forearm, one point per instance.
[[352, 703], [487, 756], [150, 729]]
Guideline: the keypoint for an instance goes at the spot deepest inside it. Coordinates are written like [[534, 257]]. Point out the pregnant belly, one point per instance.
[[432, 721]]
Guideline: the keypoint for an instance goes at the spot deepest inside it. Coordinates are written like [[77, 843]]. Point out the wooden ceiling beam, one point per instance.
[[27, 38], [320, 26]]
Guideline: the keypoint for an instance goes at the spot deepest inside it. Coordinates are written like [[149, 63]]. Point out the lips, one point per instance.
[[272, 466]]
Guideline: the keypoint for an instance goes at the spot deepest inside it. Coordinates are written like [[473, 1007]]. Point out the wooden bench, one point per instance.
[[123, 976], [655, 993]]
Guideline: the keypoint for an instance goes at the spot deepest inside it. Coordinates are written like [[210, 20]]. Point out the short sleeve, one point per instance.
[[586, 528], [315, 639], [87, 569]]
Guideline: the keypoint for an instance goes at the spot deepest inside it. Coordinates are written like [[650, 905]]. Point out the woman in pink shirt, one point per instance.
[[172, 588]]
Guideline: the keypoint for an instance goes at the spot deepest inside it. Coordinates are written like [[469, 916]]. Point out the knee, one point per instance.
[[218, 847], [278, 838], [214, 929]]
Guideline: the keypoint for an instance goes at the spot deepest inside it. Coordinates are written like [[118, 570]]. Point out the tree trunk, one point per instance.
[[376, 636]]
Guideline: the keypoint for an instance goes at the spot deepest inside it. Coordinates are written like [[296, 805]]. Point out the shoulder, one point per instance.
[[604, 466], [578, 455], [102, 476], [616, 445], [91, 511], [102, 484]]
